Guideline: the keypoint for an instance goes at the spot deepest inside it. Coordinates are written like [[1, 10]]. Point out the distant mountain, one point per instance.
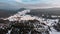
[[7, 13], [50, 11]]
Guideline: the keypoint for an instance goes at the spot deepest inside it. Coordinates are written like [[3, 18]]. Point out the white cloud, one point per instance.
[[52, 2], [18, 0], [32, 4]]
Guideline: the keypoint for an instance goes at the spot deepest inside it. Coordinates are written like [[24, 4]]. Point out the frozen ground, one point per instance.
[[22, 16], [53, 31]]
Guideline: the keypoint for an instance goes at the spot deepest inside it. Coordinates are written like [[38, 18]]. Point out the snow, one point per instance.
[[27, 17], [54, 31], [18, 15], [22, 16]]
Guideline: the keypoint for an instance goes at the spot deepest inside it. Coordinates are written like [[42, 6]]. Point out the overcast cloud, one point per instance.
[[33, 3]]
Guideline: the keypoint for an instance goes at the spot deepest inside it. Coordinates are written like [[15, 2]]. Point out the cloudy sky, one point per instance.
[[34, 3]]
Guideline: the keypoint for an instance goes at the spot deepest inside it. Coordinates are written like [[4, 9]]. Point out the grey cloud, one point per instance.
[[16, 5]]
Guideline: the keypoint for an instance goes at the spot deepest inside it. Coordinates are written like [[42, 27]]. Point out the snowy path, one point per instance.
[[54, 31]]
